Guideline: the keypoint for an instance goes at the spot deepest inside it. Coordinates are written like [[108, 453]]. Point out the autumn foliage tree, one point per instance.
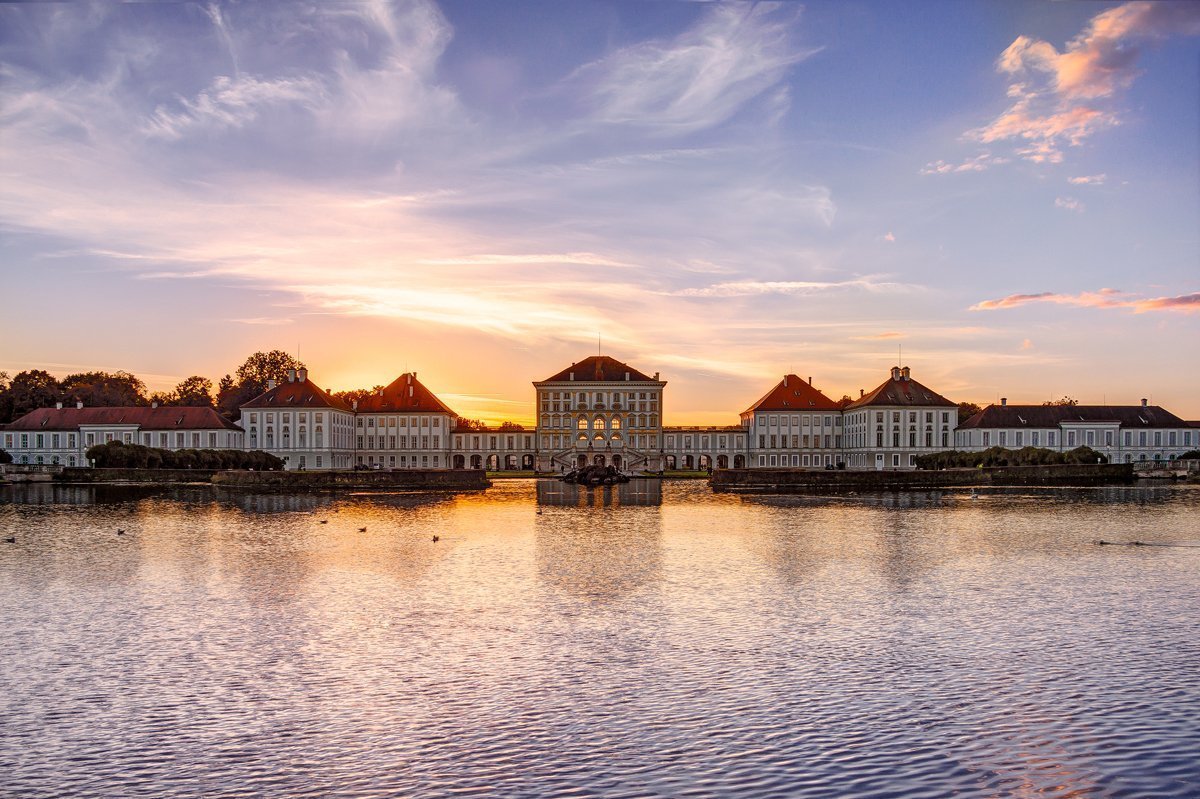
[[250, 379]]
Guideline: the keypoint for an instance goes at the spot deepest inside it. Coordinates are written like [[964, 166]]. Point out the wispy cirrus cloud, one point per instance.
[[1068, 204], [1061, 98], [702, 77], [1088, 180], [749, 288], [1104, 298], [977, 163]]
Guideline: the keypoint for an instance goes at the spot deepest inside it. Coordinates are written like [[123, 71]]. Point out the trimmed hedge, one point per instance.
[[999, 456], [116, 455]]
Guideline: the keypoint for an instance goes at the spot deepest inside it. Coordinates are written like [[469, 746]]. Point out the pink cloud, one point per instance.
[[1069, 204], [1056, 94], [1104, 298]]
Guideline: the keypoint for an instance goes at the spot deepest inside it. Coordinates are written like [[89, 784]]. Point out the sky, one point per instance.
[[1004, 195]]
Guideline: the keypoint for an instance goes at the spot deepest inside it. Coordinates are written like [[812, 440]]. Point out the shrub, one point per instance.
[[117, 455]]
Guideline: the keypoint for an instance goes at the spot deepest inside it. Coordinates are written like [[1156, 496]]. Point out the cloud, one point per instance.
[[1088, 180], [880, 336], [1058, 97], [1104, 298], [1027, 344], [263, 320], [749, 288], [229, 102], [1068, 203], [702, 77], [976, 163], [889, 236]]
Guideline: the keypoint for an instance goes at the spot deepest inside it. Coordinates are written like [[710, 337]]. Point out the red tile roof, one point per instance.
[[296, 394], [793, 394], [1018, 416], [161, 418], [599, 368], [901, 390], [397, 398]]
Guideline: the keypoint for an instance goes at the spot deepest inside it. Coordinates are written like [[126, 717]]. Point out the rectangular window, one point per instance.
[[1050, 438]]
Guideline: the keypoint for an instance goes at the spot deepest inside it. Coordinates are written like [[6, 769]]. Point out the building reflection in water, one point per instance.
[[641, 493], [599, 544]]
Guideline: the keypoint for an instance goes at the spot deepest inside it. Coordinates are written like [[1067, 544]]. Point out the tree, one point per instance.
[[1064, 401], [263, 366], [511, 426], [30, 390], [105, 389], [193, 392], [966, 410], [472, 424], [250, 380], [5, 457], [354, 394], [844, 401]]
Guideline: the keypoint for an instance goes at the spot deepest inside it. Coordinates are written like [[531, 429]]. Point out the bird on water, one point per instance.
[[120, 531], [324, 521], [12, 540], [362, 529], [436, 539]]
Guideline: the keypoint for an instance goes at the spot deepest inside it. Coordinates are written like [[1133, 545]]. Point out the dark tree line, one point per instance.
[[117, 455], [999, 456], [29, 390]]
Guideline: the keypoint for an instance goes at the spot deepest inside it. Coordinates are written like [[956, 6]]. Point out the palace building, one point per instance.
[[602, 411], [61, 436], [1123, 434]]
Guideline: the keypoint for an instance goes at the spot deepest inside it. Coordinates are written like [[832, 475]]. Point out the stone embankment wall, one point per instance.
[[86, 475], [784, 480], [415, 479]]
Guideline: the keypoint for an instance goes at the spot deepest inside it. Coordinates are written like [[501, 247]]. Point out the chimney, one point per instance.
[[1143, 402], [810, 380], [302, 375], [1003, 401], [152, 404], [270, 383], [862, 392], [904, 373], [291, 375], [785, 381], [656, 375], [895, 372]]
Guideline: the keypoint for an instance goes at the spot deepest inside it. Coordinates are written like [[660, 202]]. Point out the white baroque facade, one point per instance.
[[1122, 433], [599, 411], [62, 436]]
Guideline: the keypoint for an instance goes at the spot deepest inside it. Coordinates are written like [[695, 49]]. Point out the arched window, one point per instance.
[[582, 424], [599, 423], [616, 423]]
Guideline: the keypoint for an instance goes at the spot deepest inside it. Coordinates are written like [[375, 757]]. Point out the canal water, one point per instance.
[[646, 640]]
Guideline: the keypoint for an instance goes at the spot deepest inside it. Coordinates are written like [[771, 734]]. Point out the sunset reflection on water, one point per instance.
[[642, 639]]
